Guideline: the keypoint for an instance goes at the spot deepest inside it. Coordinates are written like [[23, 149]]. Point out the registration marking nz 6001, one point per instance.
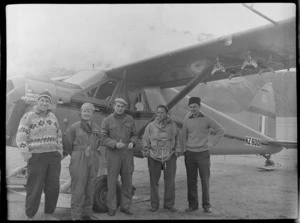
[[252, 141]]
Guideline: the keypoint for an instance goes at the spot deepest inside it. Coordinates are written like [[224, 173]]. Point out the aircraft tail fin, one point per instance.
[[264, 102], [264, 105]]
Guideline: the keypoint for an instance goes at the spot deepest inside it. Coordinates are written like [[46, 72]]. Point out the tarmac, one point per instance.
[[239, 190]]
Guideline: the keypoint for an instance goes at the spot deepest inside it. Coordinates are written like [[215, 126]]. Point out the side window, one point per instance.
[[106, 90], [140, 103]]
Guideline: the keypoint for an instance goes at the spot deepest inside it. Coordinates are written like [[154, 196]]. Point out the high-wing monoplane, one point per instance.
[[149, 82]]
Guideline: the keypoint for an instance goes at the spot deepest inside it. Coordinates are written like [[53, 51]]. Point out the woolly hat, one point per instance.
[[121, 100], [88, 106], [46, 94], [194, 100]]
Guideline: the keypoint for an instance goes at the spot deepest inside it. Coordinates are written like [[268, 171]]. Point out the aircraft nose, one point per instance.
[[15, 94]]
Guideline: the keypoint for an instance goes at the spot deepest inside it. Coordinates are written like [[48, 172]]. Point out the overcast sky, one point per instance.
[[40, 37]]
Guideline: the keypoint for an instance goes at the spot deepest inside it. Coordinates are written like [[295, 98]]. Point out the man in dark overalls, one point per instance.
[[118, 134], [81, 142]]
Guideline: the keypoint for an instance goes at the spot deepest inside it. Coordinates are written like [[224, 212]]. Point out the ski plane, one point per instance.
[[149, 82]]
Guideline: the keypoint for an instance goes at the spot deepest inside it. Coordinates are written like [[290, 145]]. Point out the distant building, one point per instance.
[[286, 128]]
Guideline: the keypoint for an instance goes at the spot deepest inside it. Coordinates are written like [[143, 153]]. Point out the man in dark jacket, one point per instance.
[[118, 134]]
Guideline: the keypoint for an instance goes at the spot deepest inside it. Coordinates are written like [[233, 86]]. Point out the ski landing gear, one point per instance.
[[269, 164]]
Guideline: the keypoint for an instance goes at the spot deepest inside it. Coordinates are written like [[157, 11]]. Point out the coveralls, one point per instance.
[[160, 143], [83, 165], [118, 128]]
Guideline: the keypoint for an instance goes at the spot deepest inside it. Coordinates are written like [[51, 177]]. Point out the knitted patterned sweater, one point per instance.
[[39, 133]]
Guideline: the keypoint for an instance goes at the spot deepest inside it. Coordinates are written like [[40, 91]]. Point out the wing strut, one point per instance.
[[260, 14], [204, 72]]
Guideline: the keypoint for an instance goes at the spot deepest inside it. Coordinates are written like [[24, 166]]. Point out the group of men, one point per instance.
[[41, 143]]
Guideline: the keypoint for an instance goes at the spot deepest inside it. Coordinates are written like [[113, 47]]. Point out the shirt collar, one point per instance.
[[200, 114]]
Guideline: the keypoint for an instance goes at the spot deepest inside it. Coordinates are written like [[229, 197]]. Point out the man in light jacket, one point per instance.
[[161, 144]]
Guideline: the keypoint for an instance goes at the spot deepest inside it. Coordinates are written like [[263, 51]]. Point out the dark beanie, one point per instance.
[[46, 94], [194, 100]]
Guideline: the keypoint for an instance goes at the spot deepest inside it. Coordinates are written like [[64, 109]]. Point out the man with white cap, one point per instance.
[[81, 142], [40, 141], [118, 134]]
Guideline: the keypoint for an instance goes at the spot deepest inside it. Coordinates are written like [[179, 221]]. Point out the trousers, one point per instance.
[[194, 162], [169, 169], [83, 172], [119, 162], [43, 174]]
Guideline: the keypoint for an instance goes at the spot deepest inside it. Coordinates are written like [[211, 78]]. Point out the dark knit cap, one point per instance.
[[46, 94], [194, 100], [163, 106]]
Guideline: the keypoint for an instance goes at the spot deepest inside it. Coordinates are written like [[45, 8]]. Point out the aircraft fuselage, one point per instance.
[[238, 138]]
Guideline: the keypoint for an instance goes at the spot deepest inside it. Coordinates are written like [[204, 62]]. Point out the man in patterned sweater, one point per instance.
[[40, 141]]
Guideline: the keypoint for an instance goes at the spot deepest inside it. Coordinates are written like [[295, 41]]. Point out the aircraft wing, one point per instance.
[[286, 144], [270, 47]]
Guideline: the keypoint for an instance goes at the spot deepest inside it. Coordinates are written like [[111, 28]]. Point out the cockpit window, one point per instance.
[[91, 92], [106, 90]]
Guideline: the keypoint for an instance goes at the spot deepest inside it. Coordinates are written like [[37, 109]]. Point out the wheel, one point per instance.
[[100, 194]]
